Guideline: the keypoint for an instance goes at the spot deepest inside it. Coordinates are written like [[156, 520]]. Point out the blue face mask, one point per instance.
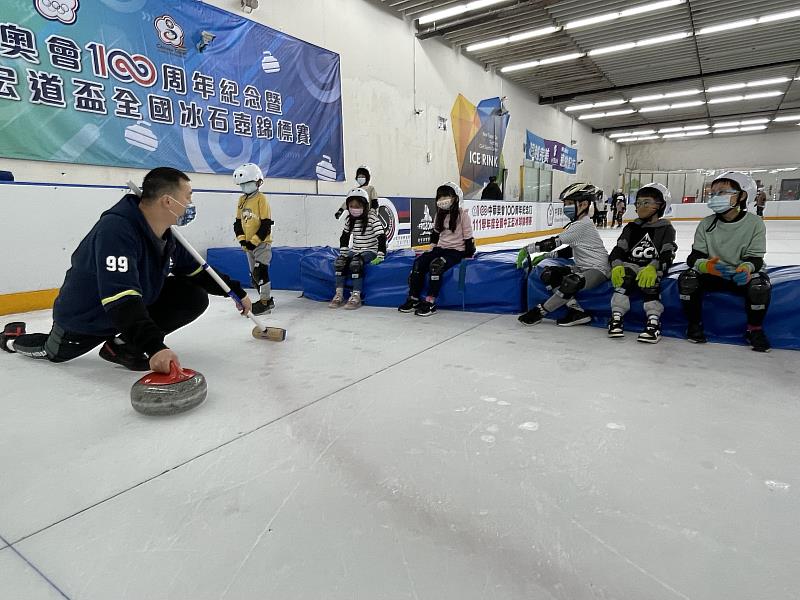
[[188, 215], [720, 203], [570, 212]]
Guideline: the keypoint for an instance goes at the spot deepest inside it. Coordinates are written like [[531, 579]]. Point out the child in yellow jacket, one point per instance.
[[253, 229]]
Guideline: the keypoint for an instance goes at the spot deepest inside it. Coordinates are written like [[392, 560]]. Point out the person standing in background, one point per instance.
[[363, 179], [761, 202], [492, 191]]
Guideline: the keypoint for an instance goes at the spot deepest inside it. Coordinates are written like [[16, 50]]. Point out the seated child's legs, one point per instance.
[[446, 260], [416, 280], [358, 265], [341, 268]]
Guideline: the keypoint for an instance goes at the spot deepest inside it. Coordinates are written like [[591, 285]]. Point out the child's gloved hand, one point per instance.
[[247, 245], [646, 278], [617, 276], [713, 266], [743, 274], [376, 261], [522, 255], [537, 259]]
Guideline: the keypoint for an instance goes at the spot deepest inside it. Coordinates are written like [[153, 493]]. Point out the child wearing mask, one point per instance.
[[368, 246], [728, 256], [363, 178], [253, 229], [584, 245], [643, 255], [452, 241]]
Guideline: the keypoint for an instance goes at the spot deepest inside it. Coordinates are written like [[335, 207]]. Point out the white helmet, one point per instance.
[[358, 193], [663, 191], [456, 188], [743, 180], [247, 172]]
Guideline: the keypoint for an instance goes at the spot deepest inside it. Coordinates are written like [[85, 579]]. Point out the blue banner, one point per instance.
[[146, 83], [547, 152]]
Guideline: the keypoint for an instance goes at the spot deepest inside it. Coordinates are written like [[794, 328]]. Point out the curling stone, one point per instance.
[[169, 394]]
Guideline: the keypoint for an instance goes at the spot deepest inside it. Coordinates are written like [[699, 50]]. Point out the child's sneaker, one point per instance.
[[11, 332], [574, 317], [117, 351], [410, 305], [695, 333], [652, 331], [758, 340], [425, 309], [337, 300], [616, 329], [533, 316], [354, 302], [260, 307]]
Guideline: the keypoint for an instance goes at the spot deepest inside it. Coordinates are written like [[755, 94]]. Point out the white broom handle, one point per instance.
[[207, 268]]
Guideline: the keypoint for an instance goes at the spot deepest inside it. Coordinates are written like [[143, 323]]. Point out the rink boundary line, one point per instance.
[[19, 554], [241, 436]]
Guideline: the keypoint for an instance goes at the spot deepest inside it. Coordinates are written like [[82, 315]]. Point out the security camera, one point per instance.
[[206, 37]]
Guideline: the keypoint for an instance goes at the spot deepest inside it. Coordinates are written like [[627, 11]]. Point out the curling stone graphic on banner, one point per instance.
[[169, 394], [325, 170], [269, 63], [141, 136]]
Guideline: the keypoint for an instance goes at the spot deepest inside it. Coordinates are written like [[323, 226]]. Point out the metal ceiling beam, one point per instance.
[[425, 32], [620, 88]]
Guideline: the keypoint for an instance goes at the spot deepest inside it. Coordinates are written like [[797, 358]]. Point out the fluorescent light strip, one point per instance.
[[454, 11], [641, 99], [612, 16], [787, 118], [544, 61], [662, 107], [738, 123], [739, 86], [595, 105], [740, 129], [647, 42], [517, 37], [613, 113], [722, 99], [771, 18]]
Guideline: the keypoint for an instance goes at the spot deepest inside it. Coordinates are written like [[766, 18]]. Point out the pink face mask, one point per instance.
[[356, 212]]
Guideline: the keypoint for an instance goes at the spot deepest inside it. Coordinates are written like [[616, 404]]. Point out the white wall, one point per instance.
[[755, 150], [382, 63]]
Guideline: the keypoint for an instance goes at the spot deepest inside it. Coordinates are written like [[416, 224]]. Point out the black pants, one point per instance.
[[179, 303], [760, 211], [693, 307], [423, 264]]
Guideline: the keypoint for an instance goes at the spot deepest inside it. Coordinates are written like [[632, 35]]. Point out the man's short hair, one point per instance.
[[160, 181]]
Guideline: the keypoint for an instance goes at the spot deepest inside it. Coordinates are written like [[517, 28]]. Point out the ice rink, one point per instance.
[[378, 455]]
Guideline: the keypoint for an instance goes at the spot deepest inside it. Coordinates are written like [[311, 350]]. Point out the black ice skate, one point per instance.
[[695, 333], [533, 316], [758, 340]]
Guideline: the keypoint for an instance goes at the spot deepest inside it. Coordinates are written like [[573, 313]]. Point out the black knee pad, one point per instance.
[[438, 266], [571, 285], [552, 276], [759, 291], [260, 274], [341, 264], [688, 283], [356, 266]]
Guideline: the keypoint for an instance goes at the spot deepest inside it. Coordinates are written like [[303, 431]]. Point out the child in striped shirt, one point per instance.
[[368, 246], [452, 241]]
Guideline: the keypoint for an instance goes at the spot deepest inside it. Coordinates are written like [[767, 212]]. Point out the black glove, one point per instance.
[[339, 213], [248, 245]]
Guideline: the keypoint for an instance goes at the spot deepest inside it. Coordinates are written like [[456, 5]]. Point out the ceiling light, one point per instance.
[[792, 14], [663, 39], [564, 58], [660, 107], [728, 26], [654, 108], [517, 37], [674, 135], [729, 130], [754, 122], [648, 98], [763, 95], [610, 49], [753, 128], [787, 118], [727, 124], [639, 139], [697, 133], [629, 12], [609, 103], [613, 113], [683, 93], [620, 134], [520, 66], [456, 10], [687, 104], [629, 45], [578, 107], [726, 88], [768, 81], [691, 127], [670, 129], [726, 99]]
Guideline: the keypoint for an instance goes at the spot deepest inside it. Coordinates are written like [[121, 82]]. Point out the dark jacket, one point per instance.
[[117, 271], [492, 191]]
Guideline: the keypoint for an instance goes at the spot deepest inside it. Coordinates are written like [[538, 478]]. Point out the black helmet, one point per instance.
[[579, 192]]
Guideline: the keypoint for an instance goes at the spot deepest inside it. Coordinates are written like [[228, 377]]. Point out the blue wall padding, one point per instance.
[[284, 269], [487, 283], [723, 314]]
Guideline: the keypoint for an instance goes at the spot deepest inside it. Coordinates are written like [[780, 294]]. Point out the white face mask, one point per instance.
[[249, 187], [444, 203], [361, 180]]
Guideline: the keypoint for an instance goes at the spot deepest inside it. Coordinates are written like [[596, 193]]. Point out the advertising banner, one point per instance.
[[547, 152]]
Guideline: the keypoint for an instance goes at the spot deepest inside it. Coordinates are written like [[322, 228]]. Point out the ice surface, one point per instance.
[[380, 455]]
